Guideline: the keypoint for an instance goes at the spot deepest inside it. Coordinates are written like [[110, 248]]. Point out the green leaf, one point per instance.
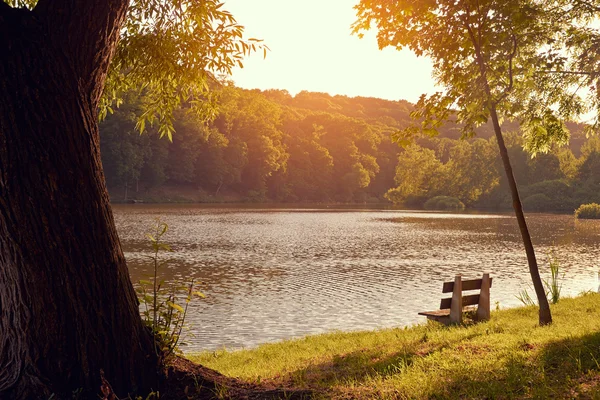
[[165, 247], [164, 229], [175, 306]]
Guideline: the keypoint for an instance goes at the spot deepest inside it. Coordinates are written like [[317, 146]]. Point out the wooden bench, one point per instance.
[[451, 309]]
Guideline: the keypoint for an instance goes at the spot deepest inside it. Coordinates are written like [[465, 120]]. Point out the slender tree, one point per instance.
[[493, 59], [67, 307]]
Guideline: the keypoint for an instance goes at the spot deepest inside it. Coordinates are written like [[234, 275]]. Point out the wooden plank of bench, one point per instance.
[[473, 284], [436, 313], [466, 301], [443, 314]]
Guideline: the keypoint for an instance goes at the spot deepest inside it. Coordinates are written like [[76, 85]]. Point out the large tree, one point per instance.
[[67, 307], [495, 60]]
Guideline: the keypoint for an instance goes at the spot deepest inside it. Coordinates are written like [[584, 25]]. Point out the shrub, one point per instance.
[[554, 188], [160, 310], [414, 201], [538, 202], [553, 286], [444, 203], [588, 211], [560, 195]]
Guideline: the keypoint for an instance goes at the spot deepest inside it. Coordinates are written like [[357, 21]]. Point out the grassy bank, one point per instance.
[[508, 357]]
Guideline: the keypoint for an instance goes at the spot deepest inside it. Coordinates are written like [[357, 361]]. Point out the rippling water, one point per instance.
[[273, 274]]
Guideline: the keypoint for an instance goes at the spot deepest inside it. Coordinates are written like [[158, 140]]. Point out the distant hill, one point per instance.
[[271, 146], [393, 114]]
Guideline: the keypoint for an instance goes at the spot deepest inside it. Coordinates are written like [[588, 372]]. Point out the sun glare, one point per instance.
[[312, 49]]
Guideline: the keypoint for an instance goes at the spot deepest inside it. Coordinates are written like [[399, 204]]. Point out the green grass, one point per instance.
[[507, 357]]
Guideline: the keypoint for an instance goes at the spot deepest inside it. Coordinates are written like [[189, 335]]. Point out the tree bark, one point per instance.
[[545, 317], [67, 306]]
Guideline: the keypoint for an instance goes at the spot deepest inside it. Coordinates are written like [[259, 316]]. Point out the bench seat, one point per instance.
[[444, 315]]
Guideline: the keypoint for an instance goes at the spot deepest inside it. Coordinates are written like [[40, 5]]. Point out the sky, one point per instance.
[[311, 48]]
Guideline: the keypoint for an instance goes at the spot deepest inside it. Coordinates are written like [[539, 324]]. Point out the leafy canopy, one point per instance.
[[173, 51], [515, 58]]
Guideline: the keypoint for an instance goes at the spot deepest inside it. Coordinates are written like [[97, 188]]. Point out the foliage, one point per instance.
[[172, 51], [161, 311], [490, 57], [468, 172], [538, 202], [553, 285], [418, 173], [507, 357], [444, 203], [588, 211], [270, 146], [524, 297]]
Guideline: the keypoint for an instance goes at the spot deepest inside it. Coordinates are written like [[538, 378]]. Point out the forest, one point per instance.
[[269, 146]]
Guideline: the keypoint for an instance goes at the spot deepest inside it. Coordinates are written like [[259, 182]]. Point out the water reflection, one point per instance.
[[272, 274]]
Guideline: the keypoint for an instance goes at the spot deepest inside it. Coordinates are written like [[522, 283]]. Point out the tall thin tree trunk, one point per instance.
[[67, 306], [545, 316]]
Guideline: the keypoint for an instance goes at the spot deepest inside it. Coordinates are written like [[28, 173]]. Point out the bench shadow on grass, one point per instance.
[[566, 368]]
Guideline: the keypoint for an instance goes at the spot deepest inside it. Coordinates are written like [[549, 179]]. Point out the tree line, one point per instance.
[[313, 147]]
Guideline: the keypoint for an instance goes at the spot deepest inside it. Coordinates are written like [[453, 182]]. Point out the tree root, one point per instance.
[[187, 380]]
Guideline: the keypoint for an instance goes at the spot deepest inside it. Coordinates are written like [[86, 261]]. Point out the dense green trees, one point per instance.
[[258, 149], [270, 146]]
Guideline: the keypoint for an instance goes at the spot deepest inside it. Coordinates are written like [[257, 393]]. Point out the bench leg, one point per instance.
[[483, 308], [456, 305]]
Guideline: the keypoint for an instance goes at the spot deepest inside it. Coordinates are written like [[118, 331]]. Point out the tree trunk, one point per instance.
[[67, 306], [544, 315]]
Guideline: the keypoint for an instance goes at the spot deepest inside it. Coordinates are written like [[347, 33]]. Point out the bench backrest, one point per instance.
[[458, 301], [473, 284]]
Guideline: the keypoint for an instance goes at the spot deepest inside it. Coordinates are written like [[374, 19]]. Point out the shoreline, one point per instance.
[[508, 357]]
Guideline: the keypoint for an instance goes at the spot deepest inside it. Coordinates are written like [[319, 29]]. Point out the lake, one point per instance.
[[277, 273]]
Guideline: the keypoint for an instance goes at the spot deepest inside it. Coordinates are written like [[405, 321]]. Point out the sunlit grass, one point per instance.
[[508, 357]]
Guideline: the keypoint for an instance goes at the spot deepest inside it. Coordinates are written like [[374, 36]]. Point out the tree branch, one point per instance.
[[480, 61], [511, 57], [587, 5], [588, 73]]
